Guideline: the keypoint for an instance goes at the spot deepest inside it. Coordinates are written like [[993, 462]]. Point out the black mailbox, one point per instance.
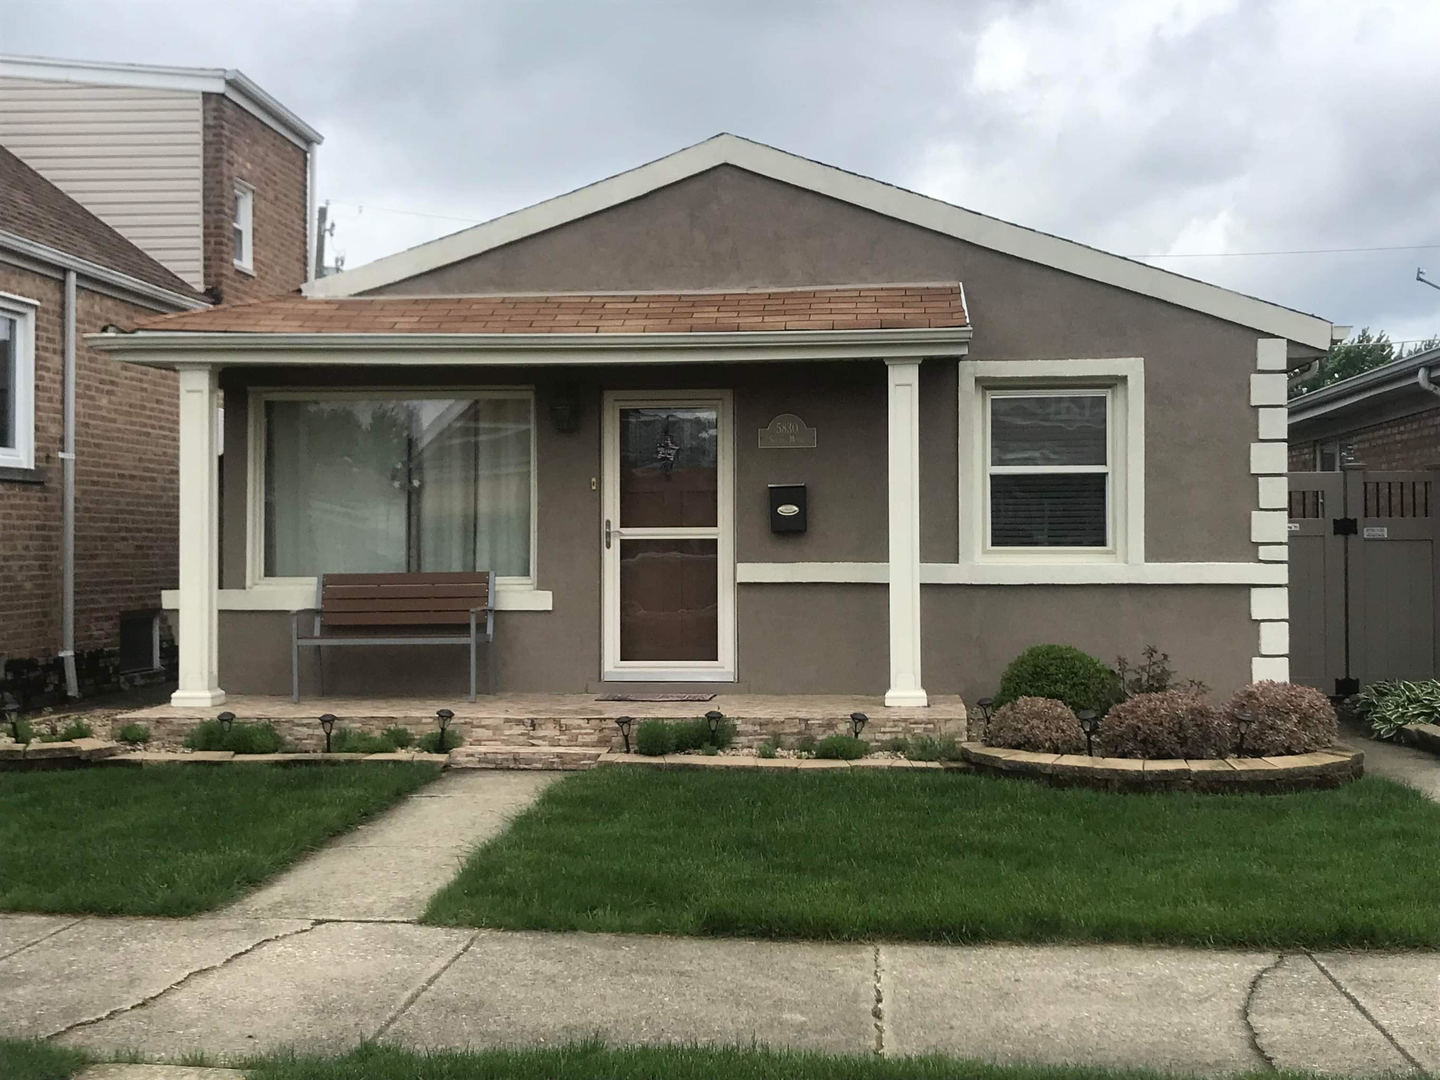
[[787, 508]]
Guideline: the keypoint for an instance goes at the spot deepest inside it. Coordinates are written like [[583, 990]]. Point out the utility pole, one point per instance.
[[322, 230], [1420, 277]]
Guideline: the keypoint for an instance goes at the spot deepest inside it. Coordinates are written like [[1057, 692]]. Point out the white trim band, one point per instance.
[[301, 596], [877, 573]]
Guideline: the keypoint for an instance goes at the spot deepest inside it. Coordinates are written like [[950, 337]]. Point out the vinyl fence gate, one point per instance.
[[1364, 565]]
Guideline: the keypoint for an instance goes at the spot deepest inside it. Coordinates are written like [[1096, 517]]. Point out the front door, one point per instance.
[[668, 538]]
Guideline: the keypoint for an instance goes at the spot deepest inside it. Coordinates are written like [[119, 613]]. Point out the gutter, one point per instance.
[[67, 513], [96, 272], [1422, 376]]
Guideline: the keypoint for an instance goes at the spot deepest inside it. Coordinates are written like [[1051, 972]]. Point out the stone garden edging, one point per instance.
[[1323, 769], [54, 755], [1422, 737]]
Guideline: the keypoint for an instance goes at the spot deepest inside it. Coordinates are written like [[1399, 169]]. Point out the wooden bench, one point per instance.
[[369, 609]]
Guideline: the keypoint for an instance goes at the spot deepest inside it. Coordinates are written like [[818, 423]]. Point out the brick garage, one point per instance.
[[1383, 419], [240, 146]]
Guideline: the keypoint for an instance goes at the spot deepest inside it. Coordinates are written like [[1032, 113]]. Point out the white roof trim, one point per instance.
[[886, 199], [168, 298], [174, 348], [235, 85]]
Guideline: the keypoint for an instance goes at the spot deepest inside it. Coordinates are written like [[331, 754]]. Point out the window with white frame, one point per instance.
[[394, 482], [1048, 468], [17, 384], [243, 226], [1052, 460]]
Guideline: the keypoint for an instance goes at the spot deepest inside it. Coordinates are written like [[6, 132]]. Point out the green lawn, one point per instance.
[[174, 839], [953, 857], [28, 1059]]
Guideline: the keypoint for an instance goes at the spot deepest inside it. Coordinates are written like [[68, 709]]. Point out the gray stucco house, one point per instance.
[[1003, 438]]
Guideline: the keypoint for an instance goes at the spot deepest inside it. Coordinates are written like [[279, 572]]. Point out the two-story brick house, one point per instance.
[[125, 191]]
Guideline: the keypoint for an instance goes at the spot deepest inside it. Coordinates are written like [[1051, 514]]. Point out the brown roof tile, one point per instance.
[[897, 307], [35, 209]]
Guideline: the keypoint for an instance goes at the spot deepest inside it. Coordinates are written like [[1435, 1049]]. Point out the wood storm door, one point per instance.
[[668, 537]]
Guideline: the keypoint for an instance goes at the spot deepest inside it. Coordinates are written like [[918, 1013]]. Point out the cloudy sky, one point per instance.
[[1187, 132]]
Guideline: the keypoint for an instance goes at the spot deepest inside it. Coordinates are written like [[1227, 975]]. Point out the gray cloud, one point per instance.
[[1143, 126]]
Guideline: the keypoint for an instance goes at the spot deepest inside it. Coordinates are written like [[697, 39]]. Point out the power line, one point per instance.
[[1294, 251], [411, 213]]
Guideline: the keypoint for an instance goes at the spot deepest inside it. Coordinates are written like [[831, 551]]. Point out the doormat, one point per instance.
[[655, 697]]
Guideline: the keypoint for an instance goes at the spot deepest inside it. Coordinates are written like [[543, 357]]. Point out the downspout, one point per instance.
[[67, 526], [1422, 376]]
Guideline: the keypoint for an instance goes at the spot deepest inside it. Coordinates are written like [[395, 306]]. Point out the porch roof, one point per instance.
[[886, 307]]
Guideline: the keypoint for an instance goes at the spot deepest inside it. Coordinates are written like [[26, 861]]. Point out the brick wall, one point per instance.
[[1405, 442], [239, 146], [126, 516]]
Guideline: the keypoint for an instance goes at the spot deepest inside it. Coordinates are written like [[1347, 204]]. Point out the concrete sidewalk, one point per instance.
[[231, 987]]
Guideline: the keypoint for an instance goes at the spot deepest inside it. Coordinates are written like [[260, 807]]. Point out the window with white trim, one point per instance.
[[393, 482], [243, 226], [1052, 461], [1048, 468], [17, 384]]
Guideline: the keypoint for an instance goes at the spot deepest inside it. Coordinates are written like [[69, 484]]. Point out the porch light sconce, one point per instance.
[[1089, 723], [858, 720], [226, 720], [713, 718], [565, 410], [623, 723], [443, 718], [985, 704], [327, 725], [1243, 720]]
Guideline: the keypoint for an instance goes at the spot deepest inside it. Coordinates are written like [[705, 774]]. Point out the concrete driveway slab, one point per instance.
[[390, 867], [99, 966], [21, 931], [1171, 1009], [1303, 1022], [549, 989], [323, 991], [1401, 991]]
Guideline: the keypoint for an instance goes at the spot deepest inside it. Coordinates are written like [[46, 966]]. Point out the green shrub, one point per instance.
[[1153, 675], [767, 748], [1286, 719], [709, 749], [346, 741], [654, 738], [1390, 707], [1062, 673], [75, 729], [895, 745], [22, 731], [133, 734], [240, 739], [804, 745], [398, 737], [440, 742], [1168, 724], [931, 748], [841, 748], [695, 734], [1043, 725]]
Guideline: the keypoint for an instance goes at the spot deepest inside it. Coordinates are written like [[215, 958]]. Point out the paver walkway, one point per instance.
[[232, 987], [1403, 764], [389, 868]]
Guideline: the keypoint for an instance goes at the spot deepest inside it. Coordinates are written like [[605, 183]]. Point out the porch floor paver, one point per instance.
[[388, 868]]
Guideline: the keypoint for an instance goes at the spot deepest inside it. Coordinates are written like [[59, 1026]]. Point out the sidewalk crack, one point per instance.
[[430, 981], [878, 1009], [1245, 1010], [1368, 1015], [44, 937], [122, 1009]]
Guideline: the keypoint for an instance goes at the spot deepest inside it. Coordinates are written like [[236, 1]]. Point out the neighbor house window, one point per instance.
[[244, 226], [375, 483], [17, 384], [1327, 457], [1048, 468]]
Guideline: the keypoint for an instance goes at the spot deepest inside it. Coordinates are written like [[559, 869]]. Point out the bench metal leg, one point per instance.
[[472, 655]]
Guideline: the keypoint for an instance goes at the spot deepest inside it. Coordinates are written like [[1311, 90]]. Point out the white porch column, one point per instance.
[[199, 541], [903, 379]]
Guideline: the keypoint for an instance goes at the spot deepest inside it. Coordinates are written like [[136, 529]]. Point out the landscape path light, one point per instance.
[[858, 720], [985, 704], [327, 725], [443, 718], [1089, 723], [623, 723], [1243, 719], [713, 718], [227, 719]]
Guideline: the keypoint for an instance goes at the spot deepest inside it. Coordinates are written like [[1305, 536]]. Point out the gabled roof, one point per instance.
[[235, 85], [35, 210], [1395, 376], [898, 307], [882, 198]]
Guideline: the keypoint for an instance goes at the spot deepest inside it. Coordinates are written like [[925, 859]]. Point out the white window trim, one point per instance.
[[1124, 380], [22, 310], [245, 259], [508, 589]]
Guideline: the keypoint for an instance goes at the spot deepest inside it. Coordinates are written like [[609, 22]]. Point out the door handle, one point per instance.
[[607, 534]]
